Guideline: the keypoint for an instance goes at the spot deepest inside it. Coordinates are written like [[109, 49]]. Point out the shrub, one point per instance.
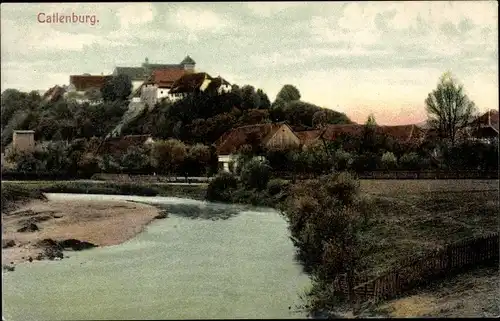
[[389, 161], [220, 188], [326, 217], [136, 159], [410, 161], [343, 160], [255, 174], [276, 186]]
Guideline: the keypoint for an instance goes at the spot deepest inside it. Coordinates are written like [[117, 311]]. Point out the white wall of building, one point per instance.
[[136, 84]]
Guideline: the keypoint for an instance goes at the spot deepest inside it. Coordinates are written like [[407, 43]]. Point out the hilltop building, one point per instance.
[[139, 75]]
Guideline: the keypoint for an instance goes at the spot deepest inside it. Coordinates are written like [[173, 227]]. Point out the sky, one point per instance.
[[360, 58]]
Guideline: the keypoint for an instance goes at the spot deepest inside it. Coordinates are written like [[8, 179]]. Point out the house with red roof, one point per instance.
[[265, 136]]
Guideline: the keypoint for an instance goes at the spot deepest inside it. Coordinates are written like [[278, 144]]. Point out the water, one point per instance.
[[179, 268]]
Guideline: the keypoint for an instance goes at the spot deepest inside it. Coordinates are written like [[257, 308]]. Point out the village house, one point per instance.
[[264, 136], [309, 138], [486, 127], [175, 84]]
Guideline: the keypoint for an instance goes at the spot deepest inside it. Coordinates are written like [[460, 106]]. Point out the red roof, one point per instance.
[[308, 137], [331, 132], [402, 133], [85, 82], [232, 140], [164, 78]]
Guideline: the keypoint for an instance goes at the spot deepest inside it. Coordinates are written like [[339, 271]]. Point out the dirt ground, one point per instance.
[[473, 294], [97, 222]]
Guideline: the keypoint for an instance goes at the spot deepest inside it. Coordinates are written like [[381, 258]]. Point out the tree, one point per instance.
[[135, 159], [288, 93], [251, 100], [389, 161], [265, 103], [167, 156], [197, 160], [449, 110], [93, 94], [117, 88], [255, 174]]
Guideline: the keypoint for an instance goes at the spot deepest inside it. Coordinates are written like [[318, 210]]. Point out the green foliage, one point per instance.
[[277, 186], [343, 160], [221, 187], [117, 88], [448, 108], [389, 161], [410, 161], [136, 159], [255, 174], [167, 156], [197, 160], [326, 217], [288, 93]]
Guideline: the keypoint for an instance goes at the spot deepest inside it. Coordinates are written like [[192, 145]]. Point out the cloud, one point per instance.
[[197, 20], [135, 14], [268, 9]]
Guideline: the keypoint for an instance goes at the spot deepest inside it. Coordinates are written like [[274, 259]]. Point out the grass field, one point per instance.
[[412, 217]]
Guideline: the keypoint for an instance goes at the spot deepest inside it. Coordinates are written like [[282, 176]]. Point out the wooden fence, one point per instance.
[[450, 260], [406, 175]]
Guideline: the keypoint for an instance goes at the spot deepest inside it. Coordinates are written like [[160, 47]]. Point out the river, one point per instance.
[[188, 266]]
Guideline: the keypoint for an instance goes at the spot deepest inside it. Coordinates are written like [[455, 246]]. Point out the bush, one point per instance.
[[389, 161], [276, 186], [255, 174], [343, 160], [410, 161], [220, 188], [326, 218]]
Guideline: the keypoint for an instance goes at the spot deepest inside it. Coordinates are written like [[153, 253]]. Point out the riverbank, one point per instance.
[[27, 230], [196, 192]]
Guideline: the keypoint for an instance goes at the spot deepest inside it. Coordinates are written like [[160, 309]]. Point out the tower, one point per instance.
[[188, 64]]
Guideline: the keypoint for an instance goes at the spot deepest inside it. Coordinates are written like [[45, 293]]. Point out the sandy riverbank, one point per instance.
[[101, 223]]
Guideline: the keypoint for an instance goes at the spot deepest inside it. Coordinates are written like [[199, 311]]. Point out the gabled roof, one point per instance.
[[490, 118], [188, 61], [190, 82], [163, 66], [85, 82], [135, 73], [232, 140], [165, 78], [401, 133], [332, 132], [309, 137]]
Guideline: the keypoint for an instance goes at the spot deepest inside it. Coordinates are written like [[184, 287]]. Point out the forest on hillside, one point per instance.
[[199, 117]]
